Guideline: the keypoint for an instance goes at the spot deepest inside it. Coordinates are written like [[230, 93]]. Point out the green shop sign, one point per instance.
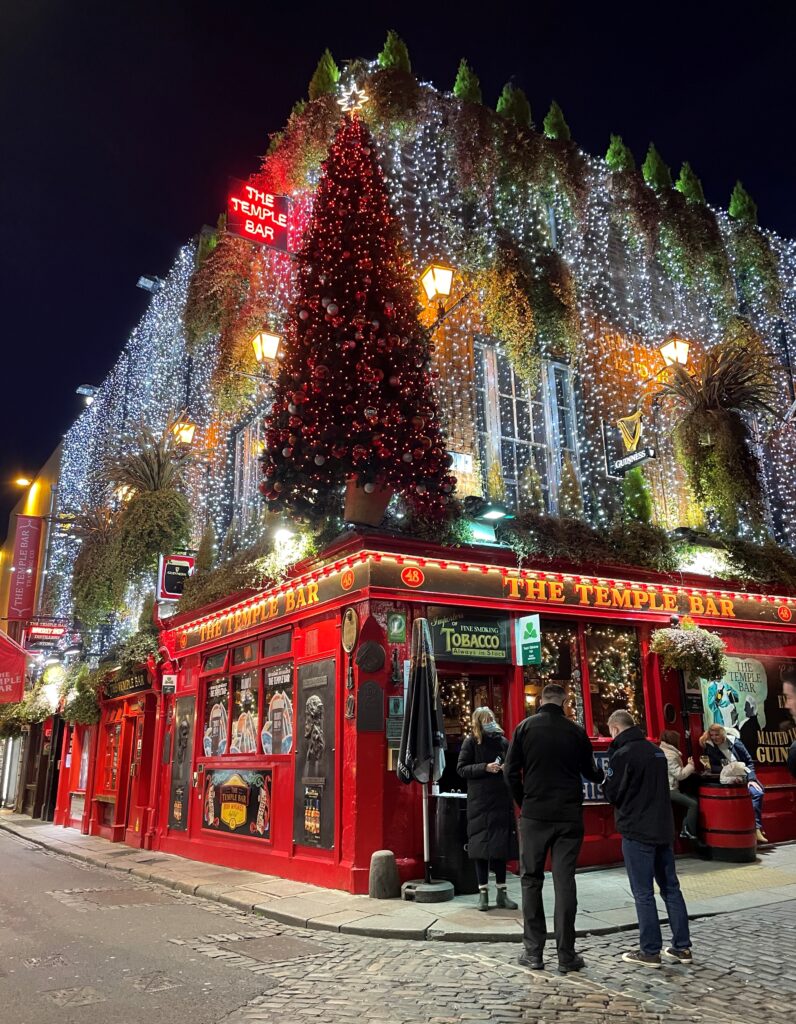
[[529, 640], [460, 636]]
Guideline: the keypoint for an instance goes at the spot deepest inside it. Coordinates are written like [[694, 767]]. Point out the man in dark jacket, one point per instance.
[[789, 693], [545, 763], [637, 784]]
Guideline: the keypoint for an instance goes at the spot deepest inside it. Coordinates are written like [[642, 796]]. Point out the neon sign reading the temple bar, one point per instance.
[[257, 215]]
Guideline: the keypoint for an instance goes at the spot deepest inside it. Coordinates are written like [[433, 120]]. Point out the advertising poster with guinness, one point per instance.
[[182, 745], [277, 731], [313, 803], [749, 699], [216, 720], [238, 802]]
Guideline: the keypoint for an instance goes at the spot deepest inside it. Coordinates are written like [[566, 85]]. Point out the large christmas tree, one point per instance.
[[354, 400]]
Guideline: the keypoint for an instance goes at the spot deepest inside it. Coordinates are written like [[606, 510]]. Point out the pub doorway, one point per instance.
[[461, 693]]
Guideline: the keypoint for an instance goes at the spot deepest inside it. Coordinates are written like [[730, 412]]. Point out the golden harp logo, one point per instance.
[[630, 429]]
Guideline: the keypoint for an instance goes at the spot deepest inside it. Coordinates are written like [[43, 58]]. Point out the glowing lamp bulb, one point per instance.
[[675, 350], [184, 430], [266, 346], [437, 281], [22, 481]]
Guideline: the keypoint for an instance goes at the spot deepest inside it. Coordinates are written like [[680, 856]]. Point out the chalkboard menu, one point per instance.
[[313, 803]]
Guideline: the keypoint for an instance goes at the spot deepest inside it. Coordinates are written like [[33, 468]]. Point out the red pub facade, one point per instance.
[[276, 750]]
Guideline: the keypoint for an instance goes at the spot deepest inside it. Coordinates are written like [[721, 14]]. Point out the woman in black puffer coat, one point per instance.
[[491, 829]]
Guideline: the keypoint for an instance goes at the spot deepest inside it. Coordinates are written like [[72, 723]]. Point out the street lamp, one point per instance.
[[266, 346], [675, 350], [184, 430], [437, 281], [23, 481]]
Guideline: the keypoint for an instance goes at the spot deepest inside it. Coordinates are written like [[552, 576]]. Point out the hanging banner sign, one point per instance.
[[22, 589], [462, 636], [258, 216], [12, 671], [173, 571], [39, 634], [623, 445], [528, 640]]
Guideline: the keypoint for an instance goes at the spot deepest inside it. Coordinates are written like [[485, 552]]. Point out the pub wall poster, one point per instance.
[[238, 801], [313, 803]]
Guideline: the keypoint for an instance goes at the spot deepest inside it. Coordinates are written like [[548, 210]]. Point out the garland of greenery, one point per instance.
[[756, 267], [551, 538], [690, 649], [80, 695]]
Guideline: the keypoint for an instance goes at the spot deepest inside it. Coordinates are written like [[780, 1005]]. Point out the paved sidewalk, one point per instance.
[[605, 902]]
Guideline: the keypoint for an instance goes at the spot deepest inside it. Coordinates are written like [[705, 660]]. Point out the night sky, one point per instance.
[[120, 123]]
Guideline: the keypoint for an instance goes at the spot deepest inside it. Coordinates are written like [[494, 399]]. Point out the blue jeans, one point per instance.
[[647, 863]]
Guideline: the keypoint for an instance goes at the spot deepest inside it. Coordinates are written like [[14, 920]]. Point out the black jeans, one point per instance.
[[563, 839], [691, 820], [482, 870]]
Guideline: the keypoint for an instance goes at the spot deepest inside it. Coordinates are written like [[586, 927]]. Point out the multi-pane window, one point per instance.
[[248, 444], [525, 436]]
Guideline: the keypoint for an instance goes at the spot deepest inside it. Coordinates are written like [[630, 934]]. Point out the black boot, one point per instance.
[[483, 899], [503, 901]]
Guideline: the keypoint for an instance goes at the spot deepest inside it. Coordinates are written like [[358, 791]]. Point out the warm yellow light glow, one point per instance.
[[184, 430], [22, 481], [266, 346], [675, 350], [123, 493], [437, 280], [32, 499]]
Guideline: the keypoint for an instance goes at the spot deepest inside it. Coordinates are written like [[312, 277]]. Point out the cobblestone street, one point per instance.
[[99, 944]]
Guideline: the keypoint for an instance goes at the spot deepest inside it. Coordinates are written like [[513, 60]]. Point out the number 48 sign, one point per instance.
[[529, 640]]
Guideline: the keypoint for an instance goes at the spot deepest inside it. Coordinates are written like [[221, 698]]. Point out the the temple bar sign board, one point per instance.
[[547, 592], [257, 215], [462, 636]]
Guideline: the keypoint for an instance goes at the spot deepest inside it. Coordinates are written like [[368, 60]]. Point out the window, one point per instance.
[[215, 662], [111, 765], [277, 733], [247, 445], [216, 718], [560, 664], [245, 653], [527, 439], [614, 674], [511, 432], [245, 713]]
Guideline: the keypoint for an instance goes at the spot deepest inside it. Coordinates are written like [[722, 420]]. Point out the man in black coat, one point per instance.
[[637, 784], [545, 765]]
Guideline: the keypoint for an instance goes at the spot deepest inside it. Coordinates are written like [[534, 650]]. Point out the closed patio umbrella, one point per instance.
[[421, 757]]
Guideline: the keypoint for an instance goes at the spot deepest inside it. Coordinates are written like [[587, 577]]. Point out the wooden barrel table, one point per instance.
[[727, 821]]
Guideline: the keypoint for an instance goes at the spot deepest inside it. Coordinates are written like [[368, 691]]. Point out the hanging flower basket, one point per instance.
[[690, 649], [365, 507]]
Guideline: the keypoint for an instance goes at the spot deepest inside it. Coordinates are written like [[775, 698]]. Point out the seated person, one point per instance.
[[723, 749], [670, 745]]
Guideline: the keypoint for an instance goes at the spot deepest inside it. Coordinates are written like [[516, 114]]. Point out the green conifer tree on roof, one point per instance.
[[467, 87], [555, 125], [618, 156], [690, 185], [325, 78], [395, 54], [742, 206], [514, 106], [570, 497], [637, 498], [656, 174]]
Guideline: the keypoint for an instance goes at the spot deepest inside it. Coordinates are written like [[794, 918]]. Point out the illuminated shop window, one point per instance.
[[560, 664], [244, 737], [525, 437], [614, 674], [247, 445]]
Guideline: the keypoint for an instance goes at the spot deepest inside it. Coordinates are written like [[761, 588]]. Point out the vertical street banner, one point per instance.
[[22, 591], [12, 671]]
